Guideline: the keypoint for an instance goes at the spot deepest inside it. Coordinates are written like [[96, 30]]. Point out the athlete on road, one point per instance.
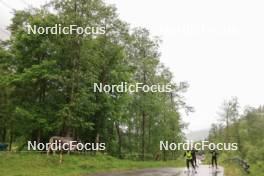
[[214, 158], [189, 159], [194, 151]]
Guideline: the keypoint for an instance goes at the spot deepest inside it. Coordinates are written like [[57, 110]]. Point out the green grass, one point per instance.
[[31, 164], [233, 170]]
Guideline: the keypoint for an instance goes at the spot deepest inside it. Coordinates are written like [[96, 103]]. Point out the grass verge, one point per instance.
[[233, 170], [32, 164]]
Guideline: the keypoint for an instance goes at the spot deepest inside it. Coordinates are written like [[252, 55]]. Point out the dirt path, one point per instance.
[[203, 170]]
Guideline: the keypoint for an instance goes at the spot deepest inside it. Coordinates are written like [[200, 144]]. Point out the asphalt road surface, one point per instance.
[[203, 170]]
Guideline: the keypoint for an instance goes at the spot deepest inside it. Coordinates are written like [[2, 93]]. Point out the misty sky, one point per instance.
[[216, 46]]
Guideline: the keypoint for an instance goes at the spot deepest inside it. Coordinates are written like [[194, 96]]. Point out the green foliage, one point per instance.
[[246, 130], [47, 82]]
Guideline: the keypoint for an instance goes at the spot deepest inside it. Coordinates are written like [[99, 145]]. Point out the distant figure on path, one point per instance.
[[214, 158]]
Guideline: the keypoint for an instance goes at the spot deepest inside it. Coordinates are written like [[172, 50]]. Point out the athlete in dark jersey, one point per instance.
[[194, 157], [214, 158]]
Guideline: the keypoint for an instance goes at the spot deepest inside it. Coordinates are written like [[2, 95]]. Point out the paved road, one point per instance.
[[203, 170]]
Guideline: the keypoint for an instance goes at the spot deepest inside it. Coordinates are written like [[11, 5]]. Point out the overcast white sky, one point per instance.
[[216, 46]]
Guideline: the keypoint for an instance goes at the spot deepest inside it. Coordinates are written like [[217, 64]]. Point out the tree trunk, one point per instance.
[[143, 135], [164, 155], [129, 138], [38, 136], [11, 140], [149, 135], [119, 141], [4, 134]]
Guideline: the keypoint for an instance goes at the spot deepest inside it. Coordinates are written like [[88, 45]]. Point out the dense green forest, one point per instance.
[[47, 83], [246, 130]]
